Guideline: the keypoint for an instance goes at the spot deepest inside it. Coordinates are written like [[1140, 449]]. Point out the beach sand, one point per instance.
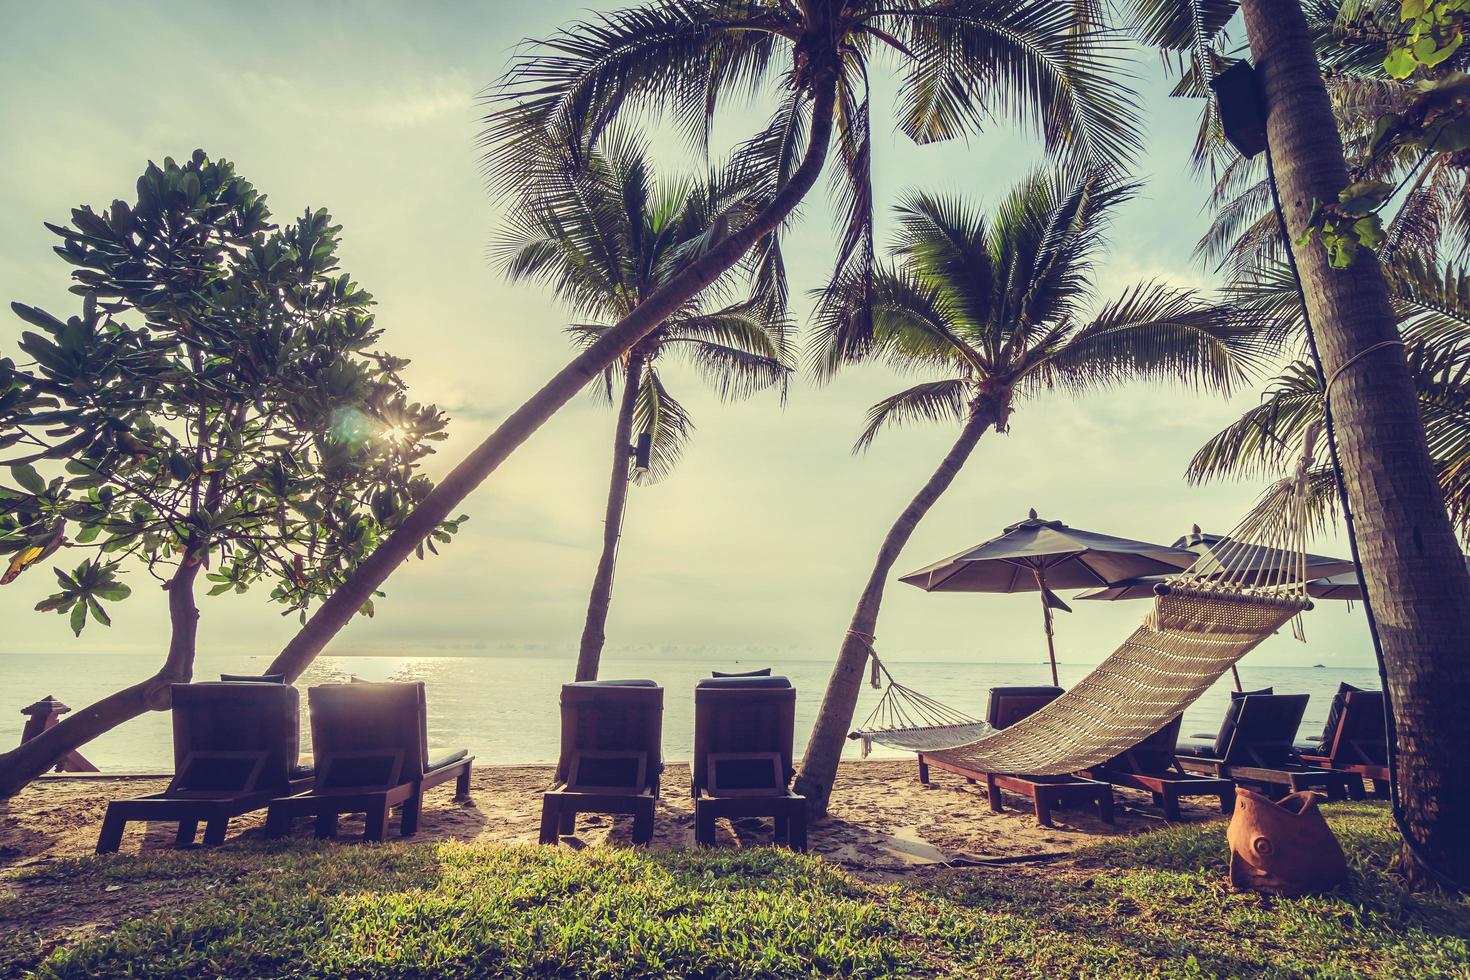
[[882, 821]]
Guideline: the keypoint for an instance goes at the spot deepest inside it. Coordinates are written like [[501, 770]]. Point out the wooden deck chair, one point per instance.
[[371, 747], [611, 756], [1151, 766], [236, 748], [744, 729], [1255, 748], [1008, 705], [1355, 739]]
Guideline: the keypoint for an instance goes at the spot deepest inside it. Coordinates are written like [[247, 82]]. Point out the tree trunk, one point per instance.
[[32, 758], [834, 719], [1415, 576], [339, 609], [595, 630]]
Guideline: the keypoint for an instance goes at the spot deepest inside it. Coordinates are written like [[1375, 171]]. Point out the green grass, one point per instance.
[[1150, 905]]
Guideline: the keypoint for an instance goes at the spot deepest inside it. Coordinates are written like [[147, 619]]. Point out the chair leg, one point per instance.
[[1170, 803], [1043, 808], [1105, 806], [462, 784], [277, 821], [566, 824], [550, 818], [110, 839], [187, 830], [643, 823], [923, 771], [781, 832], [796, 827], [377, 822], [704, 825], [215, 830], [326, 824], [413, 808], [1355, 787], [992, 793]]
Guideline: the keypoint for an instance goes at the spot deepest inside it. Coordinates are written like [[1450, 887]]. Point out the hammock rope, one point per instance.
[[1204, 619]]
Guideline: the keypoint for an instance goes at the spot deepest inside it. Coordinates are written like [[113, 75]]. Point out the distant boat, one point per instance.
[[1323, 666]]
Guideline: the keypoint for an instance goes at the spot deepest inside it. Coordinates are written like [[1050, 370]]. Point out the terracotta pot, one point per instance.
[[1282, 847]]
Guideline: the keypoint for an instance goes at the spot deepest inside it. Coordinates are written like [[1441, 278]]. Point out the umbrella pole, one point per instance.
[[1235, 672], [1051, 650]]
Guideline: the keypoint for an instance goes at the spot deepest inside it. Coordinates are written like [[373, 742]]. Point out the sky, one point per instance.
[[759, 542]]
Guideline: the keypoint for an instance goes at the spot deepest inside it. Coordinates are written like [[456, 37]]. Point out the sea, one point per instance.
[[504, 708]]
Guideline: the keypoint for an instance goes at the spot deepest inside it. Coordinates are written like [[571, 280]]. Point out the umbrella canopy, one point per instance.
[[1038, 556], [1068, 557]]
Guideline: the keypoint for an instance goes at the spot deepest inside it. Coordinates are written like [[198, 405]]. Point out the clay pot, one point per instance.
[[1282, 847]]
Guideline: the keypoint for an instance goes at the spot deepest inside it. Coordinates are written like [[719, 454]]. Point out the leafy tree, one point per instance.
[[1054, 67], [996, 308], [605, 237], [221, 406]]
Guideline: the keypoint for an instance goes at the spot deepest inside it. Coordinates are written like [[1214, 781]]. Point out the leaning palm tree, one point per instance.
[[1053, 67], [995, 308], [611, 237]]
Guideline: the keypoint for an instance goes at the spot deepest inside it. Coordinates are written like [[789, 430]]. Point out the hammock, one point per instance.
[[1203, 620]]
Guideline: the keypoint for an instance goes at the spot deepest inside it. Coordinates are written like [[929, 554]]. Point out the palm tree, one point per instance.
[[1051, 66], [1417, 584], [996, 309], [1433, 307], [607, 240]]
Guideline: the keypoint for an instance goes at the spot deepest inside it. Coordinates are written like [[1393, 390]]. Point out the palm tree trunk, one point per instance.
[[30, 759], [595, 630], [834, 719], [1415, 576], [336, 611]]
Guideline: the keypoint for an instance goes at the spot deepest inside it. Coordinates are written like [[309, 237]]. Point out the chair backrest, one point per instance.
[[368, 735], [744, 729], [234, 736], [1154, 754], [1009, 705], [1265, 729], [611, 734], [1360, 738]]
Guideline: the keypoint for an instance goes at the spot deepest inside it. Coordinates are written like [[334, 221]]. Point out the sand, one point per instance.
[[882, 823]]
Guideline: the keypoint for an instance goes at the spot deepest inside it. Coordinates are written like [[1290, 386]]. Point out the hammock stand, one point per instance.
[[1203, 620]]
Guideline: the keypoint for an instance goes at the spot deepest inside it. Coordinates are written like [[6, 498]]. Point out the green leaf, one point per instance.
[[78, 617], [25, 474], [113, 592], [1444, 52], [98, 612], [1399, 63]]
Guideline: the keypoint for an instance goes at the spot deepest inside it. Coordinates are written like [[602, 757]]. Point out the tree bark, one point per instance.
[[594, 632], [32, 758], [834, 719], [1415, 576], [339, 609]]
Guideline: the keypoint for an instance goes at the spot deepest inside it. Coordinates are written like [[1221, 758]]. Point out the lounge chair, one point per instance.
[[611, 756], [1254, 748], [236, 748], [372, 753], [1354, 740], [1007, 706], [744, 728], [1151, 766]]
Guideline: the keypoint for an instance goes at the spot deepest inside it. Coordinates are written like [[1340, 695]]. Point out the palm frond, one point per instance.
[[658, 414], [932, 401], [903, 320]]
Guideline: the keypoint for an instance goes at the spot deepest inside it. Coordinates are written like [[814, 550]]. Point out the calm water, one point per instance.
[[504, 709]]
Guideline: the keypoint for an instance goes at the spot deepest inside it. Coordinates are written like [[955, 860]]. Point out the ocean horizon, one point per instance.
[[503, 706]]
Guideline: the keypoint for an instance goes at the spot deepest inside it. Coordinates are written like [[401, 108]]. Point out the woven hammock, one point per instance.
[[1203, 620]]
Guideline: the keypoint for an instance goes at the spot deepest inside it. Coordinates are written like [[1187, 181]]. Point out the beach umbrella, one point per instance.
[[1039, 556], [1342, 586]]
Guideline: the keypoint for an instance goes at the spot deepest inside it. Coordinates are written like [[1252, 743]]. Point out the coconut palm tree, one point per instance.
[[1053, 67], [607, 240], [995, 309], [1417, 584], [1433, 306]]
